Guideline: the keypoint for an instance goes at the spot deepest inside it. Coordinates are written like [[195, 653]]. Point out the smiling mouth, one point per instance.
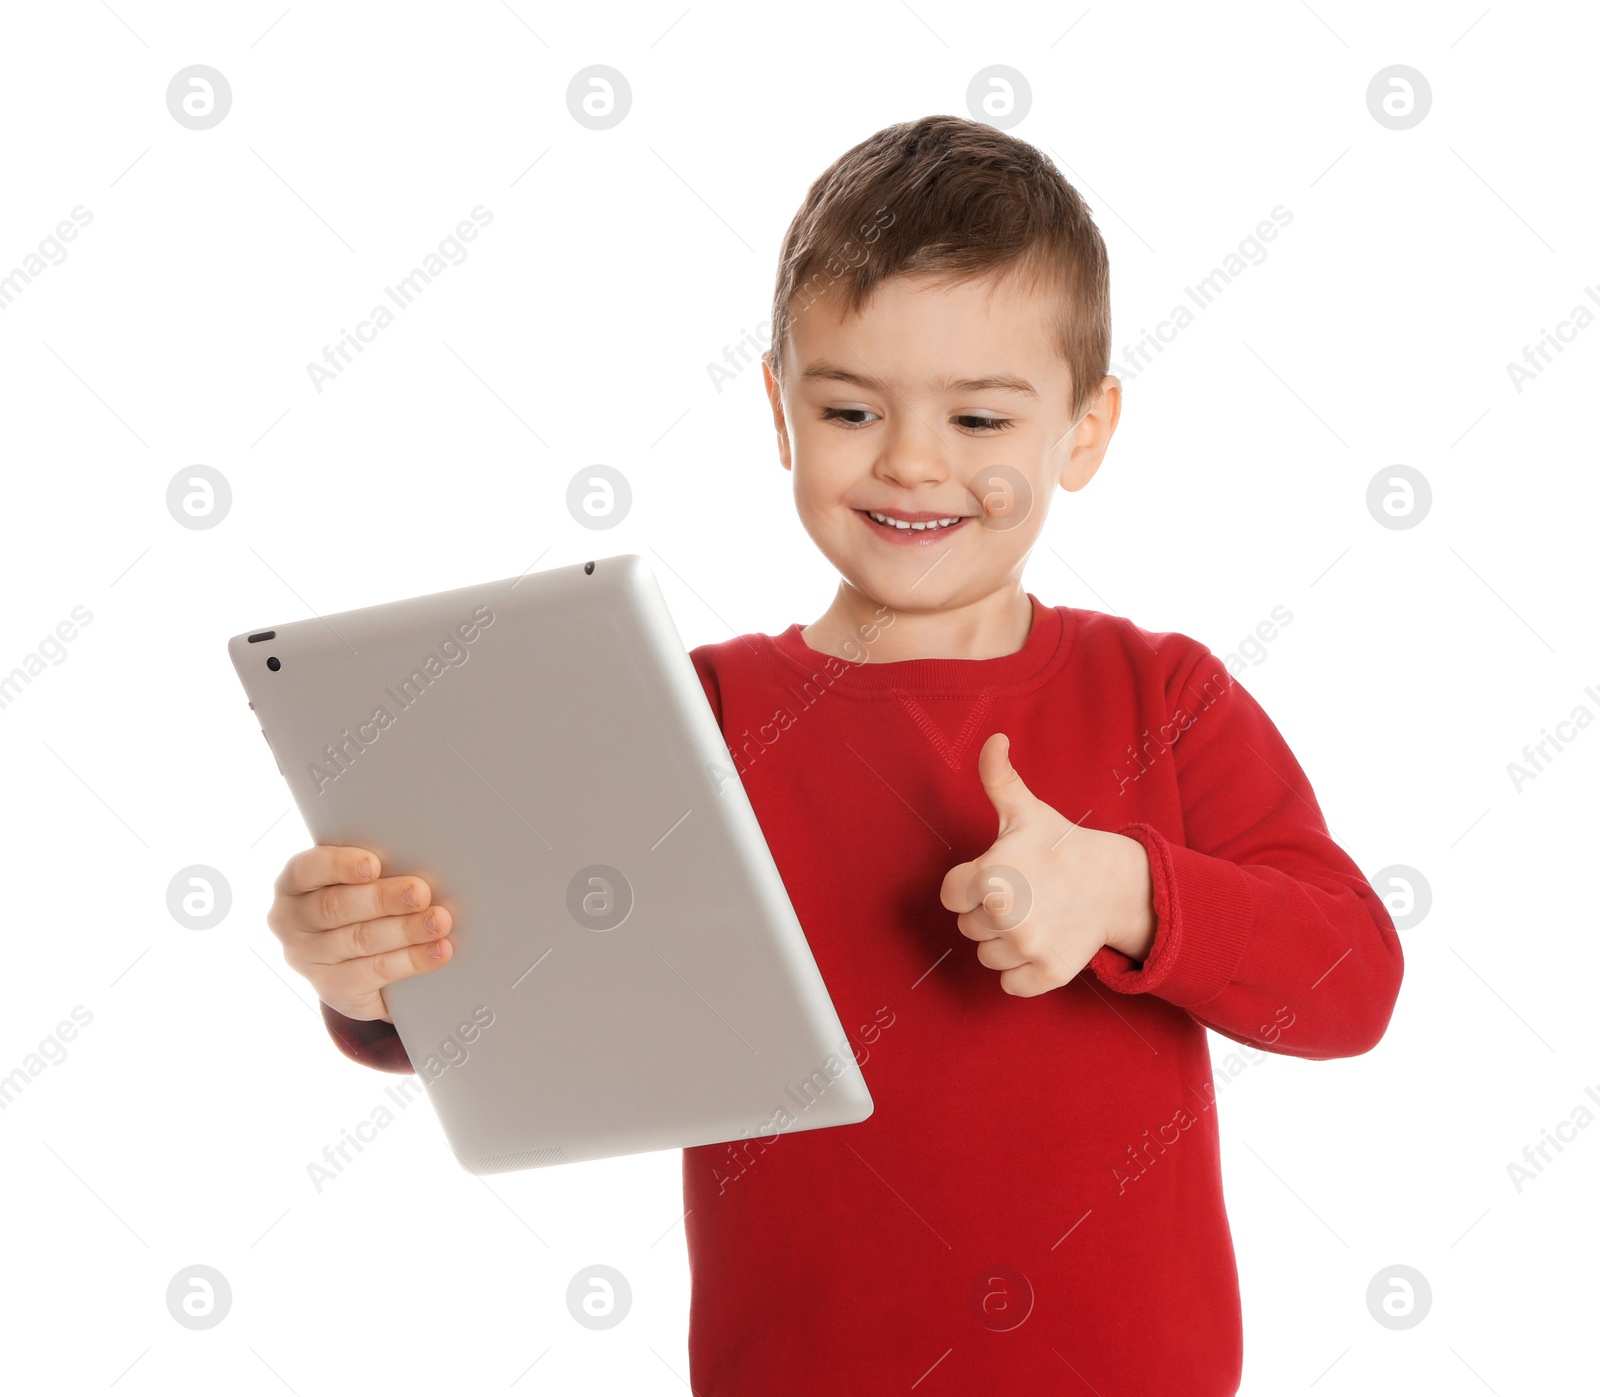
[[922, 524]]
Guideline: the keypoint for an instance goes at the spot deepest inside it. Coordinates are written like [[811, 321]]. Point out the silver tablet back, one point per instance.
[[628, 973]]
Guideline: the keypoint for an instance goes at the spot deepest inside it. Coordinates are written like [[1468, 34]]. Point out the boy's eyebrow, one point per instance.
[[1003, 383]]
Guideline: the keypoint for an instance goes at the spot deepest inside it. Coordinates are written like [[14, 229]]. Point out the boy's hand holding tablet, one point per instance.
[[352, 932]]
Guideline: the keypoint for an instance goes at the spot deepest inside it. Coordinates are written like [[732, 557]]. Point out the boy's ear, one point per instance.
[[775, 397], [1092, 435]]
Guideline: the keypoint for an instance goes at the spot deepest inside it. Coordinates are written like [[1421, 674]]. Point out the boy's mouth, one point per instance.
[[921, 526]]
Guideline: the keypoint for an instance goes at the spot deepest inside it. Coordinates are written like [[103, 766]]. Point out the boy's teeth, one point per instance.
[[902, 524]]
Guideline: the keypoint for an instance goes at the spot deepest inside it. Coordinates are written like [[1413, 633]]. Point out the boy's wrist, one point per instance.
[[1135, 932]]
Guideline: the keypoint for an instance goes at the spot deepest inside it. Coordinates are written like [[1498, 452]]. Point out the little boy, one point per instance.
[[1037, 851]]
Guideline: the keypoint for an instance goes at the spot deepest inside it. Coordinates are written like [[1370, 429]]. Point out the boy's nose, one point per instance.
[[913, 454]]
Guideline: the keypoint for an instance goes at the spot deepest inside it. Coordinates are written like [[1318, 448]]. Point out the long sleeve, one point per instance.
[[1266, 931], [371, 1042]]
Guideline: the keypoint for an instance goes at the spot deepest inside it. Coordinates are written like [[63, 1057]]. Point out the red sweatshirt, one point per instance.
[[1035, 1205]]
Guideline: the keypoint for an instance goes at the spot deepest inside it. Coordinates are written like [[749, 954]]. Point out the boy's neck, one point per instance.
[[861, 629]]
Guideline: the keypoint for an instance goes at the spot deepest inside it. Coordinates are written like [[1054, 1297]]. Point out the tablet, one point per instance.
[[629, 973]]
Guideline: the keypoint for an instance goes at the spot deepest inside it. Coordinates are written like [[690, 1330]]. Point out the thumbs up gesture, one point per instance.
[[1047, 894]]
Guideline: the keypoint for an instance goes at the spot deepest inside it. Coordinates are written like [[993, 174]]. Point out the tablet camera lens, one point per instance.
[[273, 662]]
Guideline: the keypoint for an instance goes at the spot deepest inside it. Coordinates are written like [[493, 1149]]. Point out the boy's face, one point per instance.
[[934, 403]]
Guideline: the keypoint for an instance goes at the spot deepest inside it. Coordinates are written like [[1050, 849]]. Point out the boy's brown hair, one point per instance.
[[955, 199]]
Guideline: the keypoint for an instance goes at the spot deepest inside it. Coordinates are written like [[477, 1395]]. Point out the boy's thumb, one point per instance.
[[1007, 791]]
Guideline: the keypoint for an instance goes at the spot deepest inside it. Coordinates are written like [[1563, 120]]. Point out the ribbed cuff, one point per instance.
[[1204, 910], [371, 1042]]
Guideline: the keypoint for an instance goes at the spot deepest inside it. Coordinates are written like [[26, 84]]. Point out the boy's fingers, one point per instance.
[[371, 974], [956, 892], [324, 864], [1007, 792], [364, 940], [994, 951], [340, 904]]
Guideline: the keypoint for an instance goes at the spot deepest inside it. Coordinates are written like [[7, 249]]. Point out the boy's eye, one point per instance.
[[848, 415], [983, 424]]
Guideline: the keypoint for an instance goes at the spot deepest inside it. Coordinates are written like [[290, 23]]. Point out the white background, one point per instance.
[[218, 263]]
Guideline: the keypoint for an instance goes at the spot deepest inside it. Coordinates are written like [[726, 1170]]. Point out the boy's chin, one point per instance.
[[918, 583]]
